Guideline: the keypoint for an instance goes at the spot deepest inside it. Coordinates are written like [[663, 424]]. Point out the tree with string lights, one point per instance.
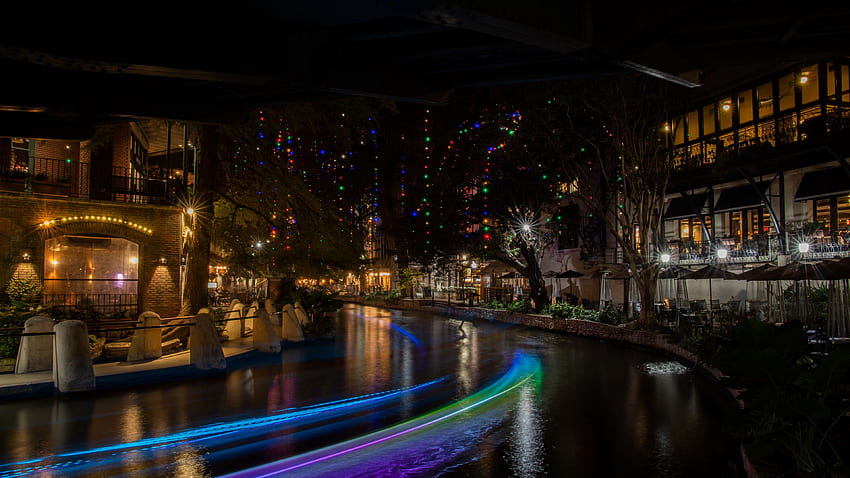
[[608, 136]]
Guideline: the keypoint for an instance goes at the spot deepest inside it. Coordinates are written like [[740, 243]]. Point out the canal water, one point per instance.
[[394, 394]]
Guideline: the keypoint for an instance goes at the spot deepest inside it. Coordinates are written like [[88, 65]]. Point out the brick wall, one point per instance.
[[20, 228], [121, 146], [54, 149]]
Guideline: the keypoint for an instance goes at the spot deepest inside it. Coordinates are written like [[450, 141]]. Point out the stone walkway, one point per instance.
[[117, 374]]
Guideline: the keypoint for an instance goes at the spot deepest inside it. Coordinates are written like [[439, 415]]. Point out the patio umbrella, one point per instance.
[[838, 306], [763, 273], [676, 289], [569, 274], [555, 293], [711, 272]]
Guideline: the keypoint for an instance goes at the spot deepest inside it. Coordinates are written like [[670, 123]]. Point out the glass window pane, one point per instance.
[[809, 83], [78, 268], [845, 83], [822, 213], [830, 80], [735, 224], [786, 92], [708, 119], [765, 99], [725, 113], [685, 228], [844, 214], [679, 130], [696, 230], [693, 125], [745, 107]]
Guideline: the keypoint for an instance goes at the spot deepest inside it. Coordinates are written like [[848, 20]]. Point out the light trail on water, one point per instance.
[[220, 433]]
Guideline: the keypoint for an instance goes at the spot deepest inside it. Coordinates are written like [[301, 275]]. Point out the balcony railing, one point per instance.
[[759, 249], [53, 177]]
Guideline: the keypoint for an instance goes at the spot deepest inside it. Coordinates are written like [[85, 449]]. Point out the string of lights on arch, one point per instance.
[[100, 219]]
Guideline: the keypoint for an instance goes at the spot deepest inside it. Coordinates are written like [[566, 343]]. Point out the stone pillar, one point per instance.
[[204, 343], [266, 339], [147, 343], [301, 314], [72, 365], [250, 314], [272, 311], [35, 352], [235, 328], [291, 329]]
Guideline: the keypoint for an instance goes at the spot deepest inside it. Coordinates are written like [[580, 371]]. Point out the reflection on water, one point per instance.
[[527, 447], [598, 410]]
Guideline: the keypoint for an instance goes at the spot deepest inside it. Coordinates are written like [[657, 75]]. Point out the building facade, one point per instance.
[[95, 225], [762, 167]]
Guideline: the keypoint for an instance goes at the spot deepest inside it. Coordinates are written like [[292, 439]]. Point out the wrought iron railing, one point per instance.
[[107, 304]]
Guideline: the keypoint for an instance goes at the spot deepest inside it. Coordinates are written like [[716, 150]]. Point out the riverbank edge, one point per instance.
[[632, 337]]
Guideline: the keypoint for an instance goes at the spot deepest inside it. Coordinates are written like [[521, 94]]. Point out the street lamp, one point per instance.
[[803, 247], [665, 257], [722, 253]]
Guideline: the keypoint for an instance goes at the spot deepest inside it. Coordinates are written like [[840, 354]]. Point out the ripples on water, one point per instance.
[[664, 368], [597, 410]]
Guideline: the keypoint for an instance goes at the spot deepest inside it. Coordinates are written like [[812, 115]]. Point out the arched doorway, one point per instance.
[[91, 272]]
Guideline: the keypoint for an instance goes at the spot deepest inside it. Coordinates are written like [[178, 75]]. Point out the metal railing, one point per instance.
[[107, 304]]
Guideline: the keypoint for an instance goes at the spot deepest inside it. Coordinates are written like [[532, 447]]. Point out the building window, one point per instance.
[[786, 92], [725, 113], [92, 272], [708, 119], [748, 223], [765, 100], [678, 131], [831, 82], [745, 107], [834, 214], [567, 222], [690, 229], [808, 82], [693, 125]]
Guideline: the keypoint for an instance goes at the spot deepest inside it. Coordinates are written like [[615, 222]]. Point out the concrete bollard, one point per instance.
[[72, 366], [272, 311], [291, 329], [147, 343], [301, 314], [266, 339], [204, 344], [35, 353], [235, 328], [250, 313]]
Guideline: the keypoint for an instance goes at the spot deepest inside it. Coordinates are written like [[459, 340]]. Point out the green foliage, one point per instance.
[[24, 289], [12, 319], [392, 294], [565, 310], [494, 304], [796, 408], [519, 307]]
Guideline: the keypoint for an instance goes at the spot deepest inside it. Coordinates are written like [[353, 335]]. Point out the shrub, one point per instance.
[[494, 304], [12, 320], [24, 289], [796, 413], [519, 307]]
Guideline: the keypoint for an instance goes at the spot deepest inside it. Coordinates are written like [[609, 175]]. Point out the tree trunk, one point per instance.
[[647, 284], [195, 294]]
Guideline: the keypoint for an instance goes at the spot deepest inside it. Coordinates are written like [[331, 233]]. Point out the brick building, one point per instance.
[[95, 224]]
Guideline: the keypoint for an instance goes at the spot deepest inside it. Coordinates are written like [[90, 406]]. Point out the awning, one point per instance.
[[681, 207], [740, 197], [822, 184]]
